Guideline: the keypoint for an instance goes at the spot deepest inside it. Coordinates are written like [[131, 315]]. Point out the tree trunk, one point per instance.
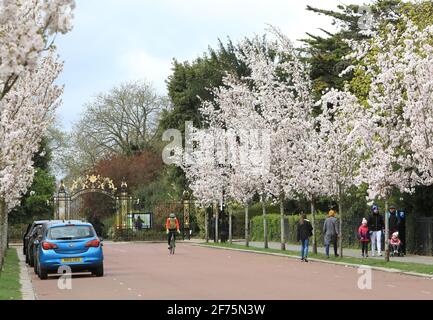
[[217, 219], [3, 231], [230, 226], [247, 227], [313, 221], [386, 231], [265, 225], [340, 216], [206, 225], [283, 240]]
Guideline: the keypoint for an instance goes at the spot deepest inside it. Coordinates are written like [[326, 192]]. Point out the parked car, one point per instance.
[[30, 228], [37, 231], [72, 243]]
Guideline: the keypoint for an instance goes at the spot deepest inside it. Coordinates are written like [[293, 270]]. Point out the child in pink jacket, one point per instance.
[[364, 237], [395, 243]]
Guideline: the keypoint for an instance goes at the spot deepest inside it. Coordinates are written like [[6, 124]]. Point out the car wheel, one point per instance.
[[99, 271], [42, 273]]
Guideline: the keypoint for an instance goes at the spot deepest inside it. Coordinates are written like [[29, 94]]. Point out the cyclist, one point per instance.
[[172, 226]]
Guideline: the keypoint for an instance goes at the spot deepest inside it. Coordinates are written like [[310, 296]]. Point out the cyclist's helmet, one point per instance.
[[172, 215]]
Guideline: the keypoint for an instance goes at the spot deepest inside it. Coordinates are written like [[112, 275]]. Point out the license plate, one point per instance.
[[66, 260]]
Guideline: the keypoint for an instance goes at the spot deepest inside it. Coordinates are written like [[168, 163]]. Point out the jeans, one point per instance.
[[304, 248], [376, 238], [328, 244]]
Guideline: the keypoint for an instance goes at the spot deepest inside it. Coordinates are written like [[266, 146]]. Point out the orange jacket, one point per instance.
[[167, 224]]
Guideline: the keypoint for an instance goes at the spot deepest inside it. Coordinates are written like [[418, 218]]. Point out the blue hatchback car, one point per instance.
[[73, 244]]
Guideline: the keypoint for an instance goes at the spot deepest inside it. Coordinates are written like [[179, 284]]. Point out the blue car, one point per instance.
[[73, 244]]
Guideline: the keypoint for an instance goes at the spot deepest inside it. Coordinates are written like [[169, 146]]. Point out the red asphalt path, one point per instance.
[[147, 271]]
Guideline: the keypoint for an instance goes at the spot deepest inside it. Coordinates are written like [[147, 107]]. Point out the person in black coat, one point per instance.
[[304, 232], [376, 226], [394, 220], [402, 231]]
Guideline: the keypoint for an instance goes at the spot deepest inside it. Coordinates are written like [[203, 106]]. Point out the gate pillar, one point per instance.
[[123, 205], [62, 204]]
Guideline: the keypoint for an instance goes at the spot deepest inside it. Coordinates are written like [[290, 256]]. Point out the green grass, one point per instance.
[[10, 288], [403, 266]]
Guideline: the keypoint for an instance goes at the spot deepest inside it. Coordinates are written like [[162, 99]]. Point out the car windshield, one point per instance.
[[70, 232]]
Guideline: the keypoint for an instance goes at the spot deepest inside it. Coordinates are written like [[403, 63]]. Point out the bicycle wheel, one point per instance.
[[172, 244], [173, 247]]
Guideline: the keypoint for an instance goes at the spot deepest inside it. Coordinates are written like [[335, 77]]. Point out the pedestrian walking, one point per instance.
[[139, 223], [376, 226], [394, 220], [364, 237], [330, 230], [402, 231], [304, 232]]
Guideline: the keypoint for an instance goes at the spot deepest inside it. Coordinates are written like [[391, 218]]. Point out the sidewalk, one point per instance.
[[25, 281], [355, 253]]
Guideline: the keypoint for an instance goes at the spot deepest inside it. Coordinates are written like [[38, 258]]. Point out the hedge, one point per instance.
[[350, 227]]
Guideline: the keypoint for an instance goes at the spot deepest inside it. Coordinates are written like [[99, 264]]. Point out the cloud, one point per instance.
[[138, 64]]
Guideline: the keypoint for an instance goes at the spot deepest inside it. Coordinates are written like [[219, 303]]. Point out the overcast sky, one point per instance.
[[114, 41]]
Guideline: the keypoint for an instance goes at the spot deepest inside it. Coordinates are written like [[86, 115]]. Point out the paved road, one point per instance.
[[146, 271]]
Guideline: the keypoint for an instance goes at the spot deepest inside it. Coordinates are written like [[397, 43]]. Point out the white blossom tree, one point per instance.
[[417, 70], [340, 147], [399, 111], [28, 95], [307, 175], [269, 112]]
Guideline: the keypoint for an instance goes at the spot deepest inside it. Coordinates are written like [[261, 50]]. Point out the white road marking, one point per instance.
[[391, 286], [121, 283], [426, 292]]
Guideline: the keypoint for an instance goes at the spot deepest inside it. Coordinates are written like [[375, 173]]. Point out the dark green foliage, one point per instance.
[[192, 81], [34, 203]]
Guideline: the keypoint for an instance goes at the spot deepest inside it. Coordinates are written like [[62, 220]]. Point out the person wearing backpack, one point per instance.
[[171, 227], [304, 232], [364, 237]]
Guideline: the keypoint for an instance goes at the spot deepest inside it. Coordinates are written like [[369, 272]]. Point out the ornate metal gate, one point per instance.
[[94, 184]]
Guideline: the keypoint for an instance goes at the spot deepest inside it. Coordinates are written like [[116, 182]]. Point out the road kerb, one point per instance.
[[345, 264], [27, 291]]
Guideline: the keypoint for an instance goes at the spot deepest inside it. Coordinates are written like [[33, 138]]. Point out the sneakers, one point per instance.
[[302, 259], [305, 259]]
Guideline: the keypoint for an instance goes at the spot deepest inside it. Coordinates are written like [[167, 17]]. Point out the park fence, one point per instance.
[[349, 229], [419, 230]]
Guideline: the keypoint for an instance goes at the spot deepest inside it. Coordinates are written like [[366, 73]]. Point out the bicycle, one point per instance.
[[172, 243]]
